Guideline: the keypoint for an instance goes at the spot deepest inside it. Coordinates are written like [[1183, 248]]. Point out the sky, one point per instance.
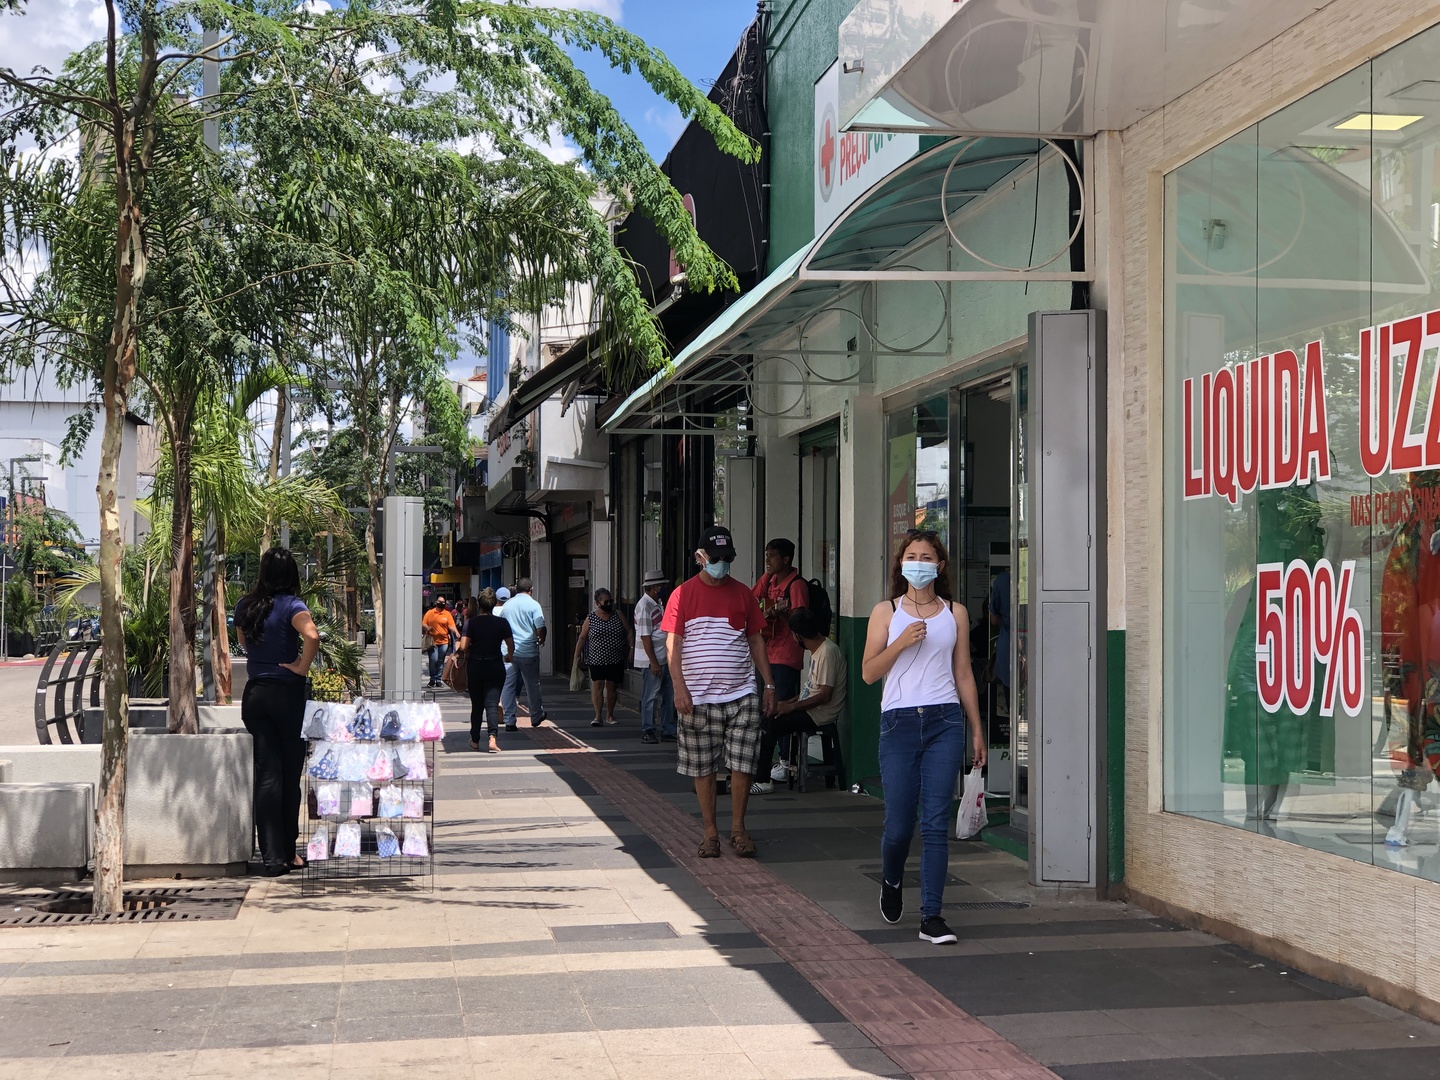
[[697, 35]]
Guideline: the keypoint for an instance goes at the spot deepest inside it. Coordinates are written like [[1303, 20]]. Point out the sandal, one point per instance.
[[709, 848], [743, 845]]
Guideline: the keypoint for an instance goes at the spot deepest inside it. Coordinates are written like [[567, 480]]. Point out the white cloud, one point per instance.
[[48, 32], [668, 119]]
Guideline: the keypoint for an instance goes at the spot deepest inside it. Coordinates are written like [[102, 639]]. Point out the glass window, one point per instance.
[[819, 548], [919, 469], [1302, 512]]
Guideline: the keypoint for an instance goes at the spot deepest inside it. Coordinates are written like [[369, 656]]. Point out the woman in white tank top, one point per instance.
[[919, 643]]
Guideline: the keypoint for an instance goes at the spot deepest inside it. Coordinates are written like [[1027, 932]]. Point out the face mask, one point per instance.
[[920, 574], [608, 606], [717, 570]]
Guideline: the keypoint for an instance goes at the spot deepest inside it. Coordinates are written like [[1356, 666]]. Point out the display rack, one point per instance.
[[369, 866]]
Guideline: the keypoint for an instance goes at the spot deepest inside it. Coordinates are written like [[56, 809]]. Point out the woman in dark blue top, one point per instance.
[[280, 642]]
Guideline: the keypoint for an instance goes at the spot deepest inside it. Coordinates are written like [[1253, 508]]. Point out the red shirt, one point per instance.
[[782, 595], [716, 623]]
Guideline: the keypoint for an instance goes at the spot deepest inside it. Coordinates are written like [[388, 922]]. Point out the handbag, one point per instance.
[[427, 642], [577, 679], [455, 675]]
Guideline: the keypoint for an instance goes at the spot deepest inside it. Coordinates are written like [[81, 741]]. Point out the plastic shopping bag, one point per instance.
[[347, 840], [577, 677], [972, 817], [318, 849]]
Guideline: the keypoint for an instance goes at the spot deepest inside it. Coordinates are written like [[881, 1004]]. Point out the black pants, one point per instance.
[[272, 711], [486, 679], [777, 728]]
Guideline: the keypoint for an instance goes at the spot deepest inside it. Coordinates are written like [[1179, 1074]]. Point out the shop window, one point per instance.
[[918, 441], [1302, 471]]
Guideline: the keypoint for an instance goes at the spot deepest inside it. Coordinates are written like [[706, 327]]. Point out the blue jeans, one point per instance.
[[658, 690], [922, 751], [528, 669], [436, 654]]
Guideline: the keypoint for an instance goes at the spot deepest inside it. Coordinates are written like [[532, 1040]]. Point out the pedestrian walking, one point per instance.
[[780, 591], [527, 626], [278, 635], [715, 646], [914, 643], [436, 628], [657, 690], [603, 647], [485, 645]]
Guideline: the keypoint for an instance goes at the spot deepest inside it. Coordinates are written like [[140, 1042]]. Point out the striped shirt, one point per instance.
[[716, 623]]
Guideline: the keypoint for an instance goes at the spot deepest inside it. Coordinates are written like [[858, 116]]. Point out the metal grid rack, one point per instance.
[[369, 868]]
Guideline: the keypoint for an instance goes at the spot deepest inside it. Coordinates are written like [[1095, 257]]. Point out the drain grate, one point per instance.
[[911, 879], [988, 905], [70, 907]]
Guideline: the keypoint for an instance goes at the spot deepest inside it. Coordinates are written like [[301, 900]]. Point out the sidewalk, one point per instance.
[[571, 932]]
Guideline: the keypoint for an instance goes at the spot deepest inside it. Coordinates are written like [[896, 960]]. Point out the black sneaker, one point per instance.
[[892, 902], [511, 727], [936, 932], [648, 737]]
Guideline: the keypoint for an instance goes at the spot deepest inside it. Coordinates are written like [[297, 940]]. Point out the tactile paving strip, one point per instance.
[[917, 1027]]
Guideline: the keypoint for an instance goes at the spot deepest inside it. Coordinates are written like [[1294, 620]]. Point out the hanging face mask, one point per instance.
[[919, 574], [717, 570]]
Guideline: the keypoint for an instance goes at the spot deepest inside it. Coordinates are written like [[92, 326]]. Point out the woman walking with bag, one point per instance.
[[914, 643], [604, 647], [485, 637], [280, 641]]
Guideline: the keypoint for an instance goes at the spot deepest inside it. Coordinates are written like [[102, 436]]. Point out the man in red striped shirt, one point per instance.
[[714, 625]]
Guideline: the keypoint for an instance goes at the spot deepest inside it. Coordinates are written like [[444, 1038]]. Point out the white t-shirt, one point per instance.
[[648, 614]]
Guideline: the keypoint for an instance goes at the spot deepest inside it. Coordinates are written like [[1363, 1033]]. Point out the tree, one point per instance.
[[342, 184]]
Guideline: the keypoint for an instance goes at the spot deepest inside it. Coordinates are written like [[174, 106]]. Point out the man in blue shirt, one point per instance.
[[527, 626]]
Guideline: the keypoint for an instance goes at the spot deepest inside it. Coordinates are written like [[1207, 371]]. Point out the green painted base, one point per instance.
[[1008, 844], [860, 726]]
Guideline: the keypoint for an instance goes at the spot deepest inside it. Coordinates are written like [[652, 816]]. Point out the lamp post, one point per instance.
[[5, 553]]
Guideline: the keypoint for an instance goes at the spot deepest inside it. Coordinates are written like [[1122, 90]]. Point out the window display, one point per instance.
[[1302, 435]]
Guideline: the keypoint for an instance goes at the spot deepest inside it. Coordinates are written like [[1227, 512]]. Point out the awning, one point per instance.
[[862, 245], [1060, 68], [574, 365]]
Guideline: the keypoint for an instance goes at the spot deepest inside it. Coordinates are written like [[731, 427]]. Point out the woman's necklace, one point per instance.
[[920, 608]]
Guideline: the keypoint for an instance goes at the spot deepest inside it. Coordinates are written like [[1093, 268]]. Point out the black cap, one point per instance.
[[717, 542]]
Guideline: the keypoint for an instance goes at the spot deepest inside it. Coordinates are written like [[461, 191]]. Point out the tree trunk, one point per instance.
[[219, 630], [281, 404], [119, 372], [183, 717]]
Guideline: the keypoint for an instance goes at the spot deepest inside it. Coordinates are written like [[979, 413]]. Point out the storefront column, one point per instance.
[[542, 576], [781, 515], [862, 573]]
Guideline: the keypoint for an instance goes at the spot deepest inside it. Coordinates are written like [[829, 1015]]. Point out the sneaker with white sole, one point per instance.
[[936, 932], [892, 902], [780, 773], [761, 788]]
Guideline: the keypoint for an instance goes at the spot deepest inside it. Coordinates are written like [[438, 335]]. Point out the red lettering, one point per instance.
[[1375, 401], [1405, 450], [1247, 440], [1315, 439], [1197, 485], [1223, 409], [1432, 416], [1286, 402]]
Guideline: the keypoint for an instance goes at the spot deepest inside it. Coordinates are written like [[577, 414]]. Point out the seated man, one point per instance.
[[820, 701]]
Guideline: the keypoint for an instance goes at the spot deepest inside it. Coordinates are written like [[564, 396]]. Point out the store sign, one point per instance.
[[1305, 621], [902, 489], [848, 164], [1262, 424]]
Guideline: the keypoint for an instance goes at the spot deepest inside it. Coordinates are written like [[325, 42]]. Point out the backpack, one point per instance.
[[820, 604]]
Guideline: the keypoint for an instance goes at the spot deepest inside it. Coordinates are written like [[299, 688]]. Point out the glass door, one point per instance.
[[818, 554]]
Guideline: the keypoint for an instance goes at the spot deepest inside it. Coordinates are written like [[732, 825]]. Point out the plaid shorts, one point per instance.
[[729, 731]]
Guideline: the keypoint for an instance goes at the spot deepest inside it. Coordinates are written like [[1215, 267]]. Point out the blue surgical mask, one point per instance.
[[918, 573], [717, 570]]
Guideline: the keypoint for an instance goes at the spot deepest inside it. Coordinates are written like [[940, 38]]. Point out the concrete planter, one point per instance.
[[187, 800]]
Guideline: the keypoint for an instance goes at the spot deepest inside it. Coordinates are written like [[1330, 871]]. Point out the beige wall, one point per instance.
[[1340, 918]]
